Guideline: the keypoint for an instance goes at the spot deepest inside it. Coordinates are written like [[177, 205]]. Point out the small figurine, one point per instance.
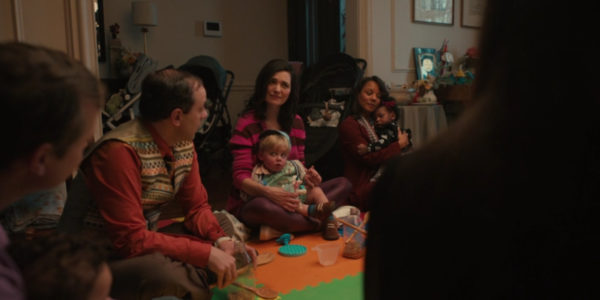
[[114, 30]]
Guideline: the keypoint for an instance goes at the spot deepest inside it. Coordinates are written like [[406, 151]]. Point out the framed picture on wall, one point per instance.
[[472, 13], [426, 60], [433, 11]]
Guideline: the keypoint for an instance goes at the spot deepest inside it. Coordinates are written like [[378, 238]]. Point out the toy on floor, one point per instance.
[[289, 250], [263, 292], [264, 258], [327, 253], [249, 290], [354, 244], [345, 210]]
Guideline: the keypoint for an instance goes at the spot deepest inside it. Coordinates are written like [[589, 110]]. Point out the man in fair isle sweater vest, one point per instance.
[[135, 170]]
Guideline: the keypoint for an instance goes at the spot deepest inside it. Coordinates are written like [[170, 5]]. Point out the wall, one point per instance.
[[7, 29], [253, 32], [65, 25], [387, 30]]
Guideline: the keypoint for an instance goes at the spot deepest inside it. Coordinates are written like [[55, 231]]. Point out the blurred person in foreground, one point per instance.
[[50, 104], [506, 203]]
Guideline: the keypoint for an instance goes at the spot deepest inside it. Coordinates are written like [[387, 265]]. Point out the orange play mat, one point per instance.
[[285, 273]]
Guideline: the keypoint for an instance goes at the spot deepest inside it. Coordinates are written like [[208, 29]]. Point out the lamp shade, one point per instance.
[[144, 13]]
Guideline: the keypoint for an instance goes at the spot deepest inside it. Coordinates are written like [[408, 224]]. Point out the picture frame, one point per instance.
[[440, 12], [472, 12], [426, 61]]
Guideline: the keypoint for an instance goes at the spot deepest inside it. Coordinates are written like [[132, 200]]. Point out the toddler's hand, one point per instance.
[[312, 178]]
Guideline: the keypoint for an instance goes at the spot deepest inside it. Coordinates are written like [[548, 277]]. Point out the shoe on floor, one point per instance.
[[232, 226], [330, 229]]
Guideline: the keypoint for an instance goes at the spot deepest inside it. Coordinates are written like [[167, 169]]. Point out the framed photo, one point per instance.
[[472, 13], [433, 11], [426, 61]]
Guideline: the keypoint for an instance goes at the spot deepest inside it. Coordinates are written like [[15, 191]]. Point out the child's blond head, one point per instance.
[[271, 140]]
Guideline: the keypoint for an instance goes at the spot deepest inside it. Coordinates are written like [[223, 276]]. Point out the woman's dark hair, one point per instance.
[[356, 108], [257, 102], [165, 90], [42, 92], [59, 266]]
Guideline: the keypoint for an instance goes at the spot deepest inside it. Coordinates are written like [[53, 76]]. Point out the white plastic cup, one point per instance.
[[327, 253]]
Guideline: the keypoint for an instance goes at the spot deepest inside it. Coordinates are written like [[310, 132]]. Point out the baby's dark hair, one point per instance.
[[59, 266], [390, 104]]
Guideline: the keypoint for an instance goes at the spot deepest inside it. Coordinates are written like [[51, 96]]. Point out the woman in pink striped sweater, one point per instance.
[[273, 106]]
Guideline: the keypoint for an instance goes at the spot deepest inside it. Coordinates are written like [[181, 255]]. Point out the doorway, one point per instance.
[[316, 29]]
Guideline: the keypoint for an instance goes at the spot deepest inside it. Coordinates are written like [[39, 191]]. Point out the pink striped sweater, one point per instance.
[[243, 148]]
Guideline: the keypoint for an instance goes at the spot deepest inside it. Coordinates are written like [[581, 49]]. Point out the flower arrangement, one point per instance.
[[448, 74]]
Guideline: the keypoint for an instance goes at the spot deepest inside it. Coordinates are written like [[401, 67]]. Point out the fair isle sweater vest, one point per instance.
[[160, 179]]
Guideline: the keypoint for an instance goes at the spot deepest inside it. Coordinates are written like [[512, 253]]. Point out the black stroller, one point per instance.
[[325, 100], [213, 136], [217, 82]]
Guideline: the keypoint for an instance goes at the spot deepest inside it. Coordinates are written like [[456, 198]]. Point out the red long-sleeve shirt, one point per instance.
[[360, 168], [113, 177]]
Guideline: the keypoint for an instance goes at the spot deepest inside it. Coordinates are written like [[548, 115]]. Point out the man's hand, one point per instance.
[[223, 265], [229, 246], [253, 254]]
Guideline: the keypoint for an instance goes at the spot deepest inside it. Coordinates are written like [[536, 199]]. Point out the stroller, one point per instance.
[[122, 106], [217, 82], [212, 138], [326, 99]]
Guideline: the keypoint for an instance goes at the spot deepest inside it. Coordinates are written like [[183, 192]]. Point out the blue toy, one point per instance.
[[289, 250]]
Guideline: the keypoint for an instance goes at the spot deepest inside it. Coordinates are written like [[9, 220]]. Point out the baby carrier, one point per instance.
[[325, 100]]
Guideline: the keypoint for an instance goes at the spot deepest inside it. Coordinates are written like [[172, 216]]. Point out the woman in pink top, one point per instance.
[[273, 106]]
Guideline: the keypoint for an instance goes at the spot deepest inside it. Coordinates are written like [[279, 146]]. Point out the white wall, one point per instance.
[[7, 28], [387, 30], [380, 31], [253, 33]]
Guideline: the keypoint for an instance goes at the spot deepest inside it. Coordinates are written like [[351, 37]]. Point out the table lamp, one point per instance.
[[144, 14]]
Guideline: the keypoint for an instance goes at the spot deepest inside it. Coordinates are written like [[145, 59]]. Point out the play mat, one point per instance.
[[303, 277]]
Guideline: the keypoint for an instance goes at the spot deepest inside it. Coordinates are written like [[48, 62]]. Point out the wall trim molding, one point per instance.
[[365, 27], [19, 28], [69, 29], [393, 58], [243, 87], [85, 29]]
